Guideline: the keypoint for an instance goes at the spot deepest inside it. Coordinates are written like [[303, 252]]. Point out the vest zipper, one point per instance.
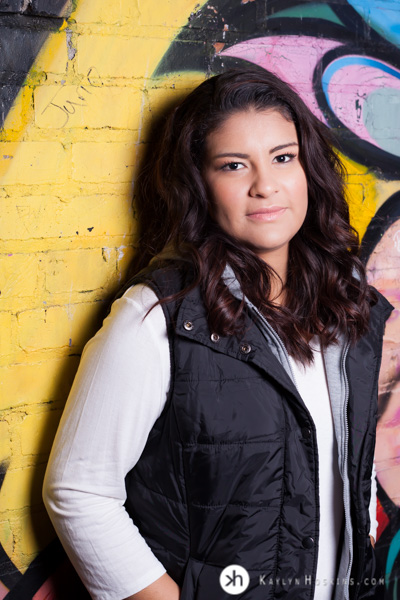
[[278, 340]]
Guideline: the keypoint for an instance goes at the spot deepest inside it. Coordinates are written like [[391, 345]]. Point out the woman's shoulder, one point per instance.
[[164, 277]]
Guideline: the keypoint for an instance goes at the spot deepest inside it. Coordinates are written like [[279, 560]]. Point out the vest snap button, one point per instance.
[[245, 348], [308, 542], [188, 325], [214, 337], [306, 433]]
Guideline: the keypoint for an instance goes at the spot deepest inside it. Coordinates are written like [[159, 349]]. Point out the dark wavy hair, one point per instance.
[[326, 292]]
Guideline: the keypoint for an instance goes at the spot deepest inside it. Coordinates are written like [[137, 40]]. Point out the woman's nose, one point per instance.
[[264, 183]]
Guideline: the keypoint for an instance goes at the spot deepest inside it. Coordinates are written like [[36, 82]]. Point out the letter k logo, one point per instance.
[[234, 579]]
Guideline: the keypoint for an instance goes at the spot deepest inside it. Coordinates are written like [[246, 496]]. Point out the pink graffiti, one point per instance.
[[350, 87], [293, 58], [3, 591]]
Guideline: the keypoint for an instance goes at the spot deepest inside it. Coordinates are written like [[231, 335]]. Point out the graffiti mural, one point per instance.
[[344, 61]]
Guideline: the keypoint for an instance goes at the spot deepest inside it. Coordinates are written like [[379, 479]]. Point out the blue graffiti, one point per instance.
[[381, 15]]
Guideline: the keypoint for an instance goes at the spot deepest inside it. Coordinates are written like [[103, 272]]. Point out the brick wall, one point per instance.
[[71, 139]]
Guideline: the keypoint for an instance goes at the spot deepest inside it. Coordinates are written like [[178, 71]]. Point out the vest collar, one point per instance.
[[191, 323]]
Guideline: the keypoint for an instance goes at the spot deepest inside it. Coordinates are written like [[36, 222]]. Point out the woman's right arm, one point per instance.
[[118, 393]]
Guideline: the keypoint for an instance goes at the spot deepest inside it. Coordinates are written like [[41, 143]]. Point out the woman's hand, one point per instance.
[[164, 588]]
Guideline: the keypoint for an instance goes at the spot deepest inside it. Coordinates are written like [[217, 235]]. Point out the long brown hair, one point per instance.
[[326, 291]]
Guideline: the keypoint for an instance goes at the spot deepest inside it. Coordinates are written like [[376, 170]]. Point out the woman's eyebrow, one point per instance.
[[282, 146], [227, 154]]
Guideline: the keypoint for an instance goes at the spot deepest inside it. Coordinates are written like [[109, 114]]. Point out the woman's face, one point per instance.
[[257, 186]]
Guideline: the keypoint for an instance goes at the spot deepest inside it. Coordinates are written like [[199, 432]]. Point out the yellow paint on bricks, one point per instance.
[[18, 275], [6, 335], [34, 383], [173, 13], [33, 162], [110, 13], [58, 178], [119, 57], [163, 94], [58, 326], [86, 105], [37, 431], [53, 58], [362, 204], [8, 150], [22, 488], [64, 270], [29, 217], [96, 162], [20, 111], [360, 194], [5, 441]]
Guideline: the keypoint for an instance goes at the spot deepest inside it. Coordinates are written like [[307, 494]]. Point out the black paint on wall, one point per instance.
[[24, 28]]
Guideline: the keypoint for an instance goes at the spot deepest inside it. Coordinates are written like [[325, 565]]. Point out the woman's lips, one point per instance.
[[267, 214]]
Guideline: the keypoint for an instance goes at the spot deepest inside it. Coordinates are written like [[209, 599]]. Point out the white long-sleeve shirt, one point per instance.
[[119, 392]]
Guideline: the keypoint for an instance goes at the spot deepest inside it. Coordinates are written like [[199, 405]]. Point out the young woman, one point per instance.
[[219, 436]]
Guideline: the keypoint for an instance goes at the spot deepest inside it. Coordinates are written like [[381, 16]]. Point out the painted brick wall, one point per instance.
[[82, 83]]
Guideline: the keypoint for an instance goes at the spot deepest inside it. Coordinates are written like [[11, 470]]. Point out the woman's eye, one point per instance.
[[232, 166], [284, 158]]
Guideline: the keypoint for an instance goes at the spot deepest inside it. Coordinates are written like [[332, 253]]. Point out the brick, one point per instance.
[[5, 441], [58, 326], [55, 59], [6, 334], [86, 105], [119, 57], [22, 488], [45, 381], [79, 270], [37, 432], [97, 162], [34, 162], [18, 275], [46, 217], [166, 13], [55, 8], [104, 11]]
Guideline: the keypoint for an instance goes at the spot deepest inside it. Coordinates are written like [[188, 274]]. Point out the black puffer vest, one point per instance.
[[229, 474]]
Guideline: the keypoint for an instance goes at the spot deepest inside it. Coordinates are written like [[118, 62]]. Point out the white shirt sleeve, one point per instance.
[[372, 505], [119, 391]]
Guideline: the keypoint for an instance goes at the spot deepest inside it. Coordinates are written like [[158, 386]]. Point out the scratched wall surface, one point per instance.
[[82, 85]]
